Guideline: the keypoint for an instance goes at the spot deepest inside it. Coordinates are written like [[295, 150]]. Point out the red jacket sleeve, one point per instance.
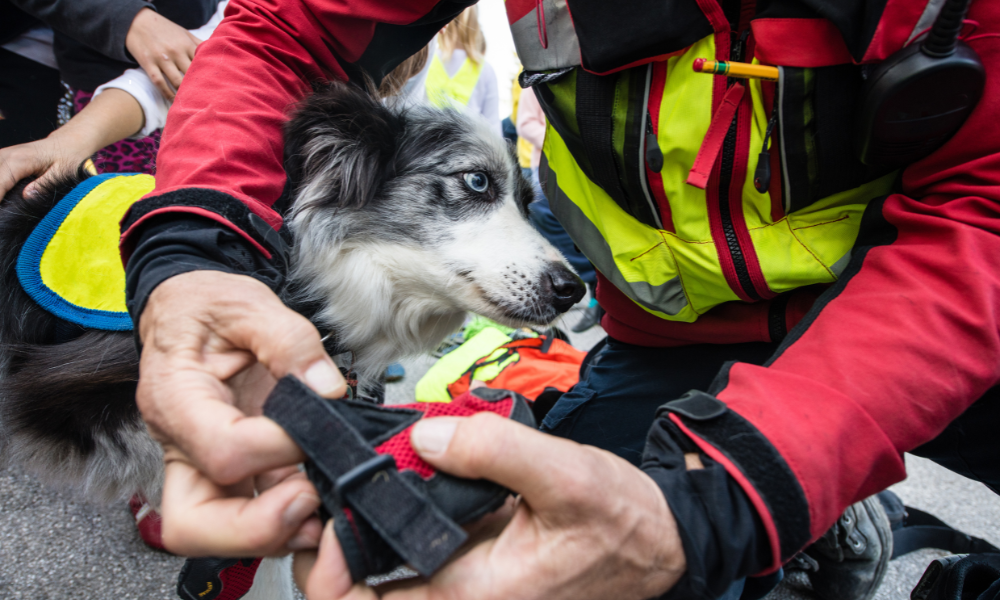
[[221, 154], [901, 346]]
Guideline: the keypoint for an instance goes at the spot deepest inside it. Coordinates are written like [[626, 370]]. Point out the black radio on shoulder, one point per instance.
[[920, 96]]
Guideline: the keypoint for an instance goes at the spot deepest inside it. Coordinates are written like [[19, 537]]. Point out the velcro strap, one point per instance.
[[595, 105], [362, 479], [415, 528]]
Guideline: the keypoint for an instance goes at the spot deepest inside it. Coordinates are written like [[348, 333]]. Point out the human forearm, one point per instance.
[[110, 117], [154, 104], [178, 243]]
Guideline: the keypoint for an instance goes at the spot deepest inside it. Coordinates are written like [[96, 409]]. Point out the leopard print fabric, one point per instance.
[[126, 156]]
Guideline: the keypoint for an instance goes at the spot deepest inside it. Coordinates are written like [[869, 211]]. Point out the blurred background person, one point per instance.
[[128, 108], [56, 53], [457, 73]]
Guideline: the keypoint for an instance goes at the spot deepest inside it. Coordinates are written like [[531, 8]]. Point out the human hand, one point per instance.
[[214, 344], [111, 116], [587, 525], [162, 48], [48, 159]]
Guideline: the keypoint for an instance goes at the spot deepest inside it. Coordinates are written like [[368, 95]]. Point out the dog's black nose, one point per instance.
[[567, 288]]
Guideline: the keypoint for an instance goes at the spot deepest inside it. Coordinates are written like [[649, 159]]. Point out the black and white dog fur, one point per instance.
[[402, 220]]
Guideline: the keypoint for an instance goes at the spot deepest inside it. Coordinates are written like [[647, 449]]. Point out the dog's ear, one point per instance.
[[339, 146]]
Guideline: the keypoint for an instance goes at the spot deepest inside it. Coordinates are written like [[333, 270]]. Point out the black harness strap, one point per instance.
[[595, 105], [924, 530], [358, 477]]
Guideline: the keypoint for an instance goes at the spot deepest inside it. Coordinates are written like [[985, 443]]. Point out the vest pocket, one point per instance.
[[816, 112]]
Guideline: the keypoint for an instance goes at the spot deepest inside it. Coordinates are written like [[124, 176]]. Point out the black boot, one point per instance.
[[848, 562], [591, 316]]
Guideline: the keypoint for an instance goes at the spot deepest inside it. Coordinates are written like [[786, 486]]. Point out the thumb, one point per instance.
[[326, 575], [487, 446], [34, 188]]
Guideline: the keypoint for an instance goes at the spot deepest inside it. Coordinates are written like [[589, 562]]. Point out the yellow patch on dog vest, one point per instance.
[[70, 264]]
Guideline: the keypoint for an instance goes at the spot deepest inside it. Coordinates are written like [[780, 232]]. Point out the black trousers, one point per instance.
[[622, 385], [29, 99]]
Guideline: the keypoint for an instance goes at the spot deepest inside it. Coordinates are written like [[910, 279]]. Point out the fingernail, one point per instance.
[[323, 378], [432, 436], [304, 505]]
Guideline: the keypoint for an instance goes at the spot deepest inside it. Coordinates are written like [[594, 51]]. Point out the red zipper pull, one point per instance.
[[712, 144]]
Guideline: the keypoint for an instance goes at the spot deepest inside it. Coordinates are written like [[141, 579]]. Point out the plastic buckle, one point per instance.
[[926, 588], [367, 472]]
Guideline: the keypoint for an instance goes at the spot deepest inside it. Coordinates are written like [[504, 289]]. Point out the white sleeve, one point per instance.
[[136, 83]]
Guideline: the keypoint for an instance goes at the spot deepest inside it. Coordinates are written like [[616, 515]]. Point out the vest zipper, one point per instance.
[[654, 156], [652, 180], [650, 150], [725, 182]]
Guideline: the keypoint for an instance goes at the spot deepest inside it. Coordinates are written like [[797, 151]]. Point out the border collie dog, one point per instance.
[[402, 220]]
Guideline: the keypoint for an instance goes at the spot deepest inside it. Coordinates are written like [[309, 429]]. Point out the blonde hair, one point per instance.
[[394, 81], [463, 33]]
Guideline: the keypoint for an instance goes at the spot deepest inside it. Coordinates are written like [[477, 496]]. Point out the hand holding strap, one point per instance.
[[389, 506]]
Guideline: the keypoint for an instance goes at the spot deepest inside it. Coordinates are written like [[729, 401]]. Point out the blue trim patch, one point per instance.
[[30, 259]]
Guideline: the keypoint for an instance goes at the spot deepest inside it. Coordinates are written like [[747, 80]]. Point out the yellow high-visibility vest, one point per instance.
[[444, 91]]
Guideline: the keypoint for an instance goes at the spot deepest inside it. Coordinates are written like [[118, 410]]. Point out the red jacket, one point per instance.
[[898, 348]]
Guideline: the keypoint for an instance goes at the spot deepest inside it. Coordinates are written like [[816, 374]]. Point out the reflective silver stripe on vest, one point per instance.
[[926, 20], [563, 47], [838, 267], [667, 298]]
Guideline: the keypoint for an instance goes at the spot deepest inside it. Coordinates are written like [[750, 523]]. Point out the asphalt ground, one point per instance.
[[54, 546]]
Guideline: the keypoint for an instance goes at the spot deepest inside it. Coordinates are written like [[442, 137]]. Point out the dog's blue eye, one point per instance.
[[477, 182]]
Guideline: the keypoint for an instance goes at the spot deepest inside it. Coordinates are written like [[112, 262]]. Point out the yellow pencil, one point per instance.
[[736, 69]]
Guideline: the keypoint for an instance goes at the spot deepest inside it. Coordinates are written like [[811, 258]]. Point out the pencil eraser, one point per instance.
[[698, 65]]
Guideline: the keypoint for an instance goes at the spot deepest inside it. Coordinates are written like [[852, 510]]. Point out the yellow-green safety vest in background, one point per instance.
[[444, 91]]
